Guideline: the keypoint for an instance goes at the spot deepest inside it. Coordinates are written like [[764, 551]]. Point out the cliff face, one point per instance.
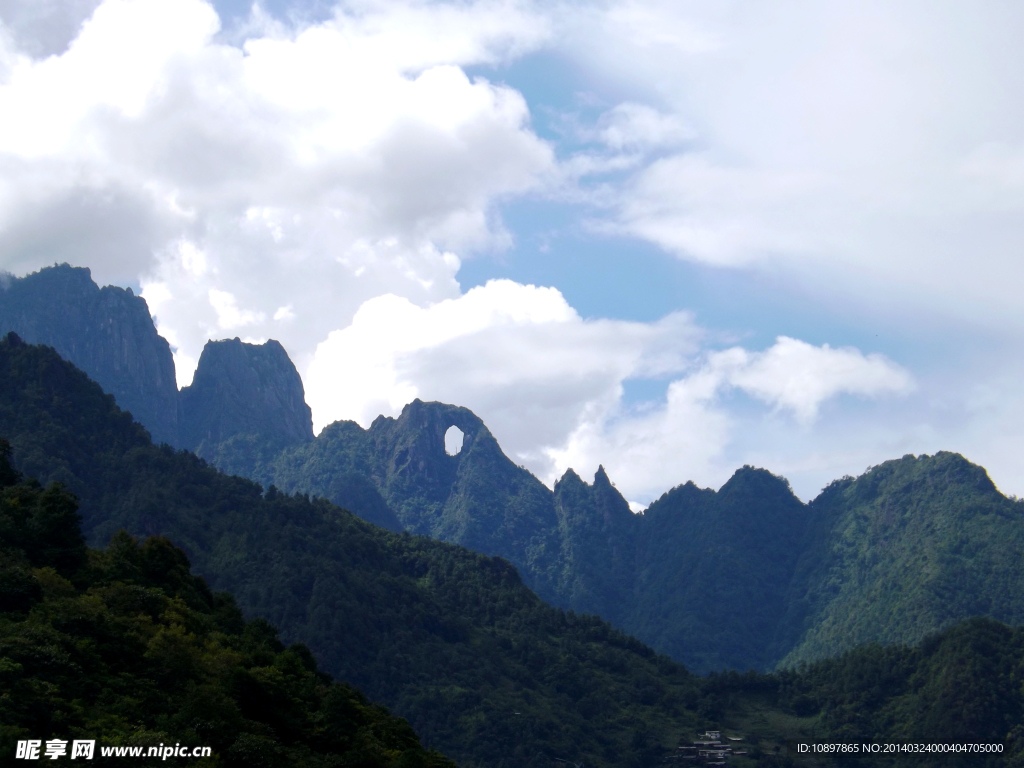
[[245, 402], [106, 332]]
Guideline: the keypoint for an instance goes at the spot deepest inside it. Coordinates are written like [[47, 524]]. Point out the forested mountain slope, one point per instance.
[[703, 581], [450, 639], [447, 638], [125, 647], [744, 577], [718, 566], [960, 686], [477, 498], [955, 691], [597, 554], [910, 547]]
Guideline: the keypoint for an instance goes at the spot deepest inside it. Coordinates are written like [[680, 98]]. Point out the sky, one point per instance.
[[669, 238]]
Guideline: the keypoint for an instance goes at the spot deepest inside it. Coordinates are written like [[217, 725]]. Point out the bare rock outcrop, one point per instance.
[[106, 332]]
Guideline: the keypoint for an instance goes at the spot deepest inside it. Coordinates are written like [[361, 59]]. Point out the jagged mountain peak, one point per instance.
[[572, 476], [601, 480], [244, 392], [569, 477]]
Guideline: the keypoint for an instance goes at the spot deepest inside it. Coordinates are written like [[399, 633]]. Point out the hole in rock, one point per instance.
[[453, 441]]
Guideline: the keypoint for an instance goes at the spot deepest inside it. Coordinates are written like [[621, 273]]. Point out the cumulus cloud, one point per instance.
[[41, 28], [550, 384], [799, 377], [307, 168], [518, 355], [687, 437]]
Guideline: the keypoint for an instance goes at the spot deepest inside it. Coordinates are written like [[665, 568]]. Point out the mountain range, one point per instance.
[[745, 577], [455, 640], [125, 646], [450, 639]]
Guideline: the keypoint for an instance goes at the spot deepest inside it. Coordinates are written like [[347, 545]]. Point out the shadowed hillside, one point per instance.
[[447, 638], [125, 647]]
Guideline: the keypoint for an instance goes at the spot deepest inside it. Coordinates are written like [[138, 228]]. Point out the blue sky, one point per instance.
[[670, 238]]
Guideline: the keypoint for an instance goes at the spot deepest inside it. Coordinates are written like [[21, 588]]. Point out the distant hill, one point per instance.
[[746, 577], [701, 575]]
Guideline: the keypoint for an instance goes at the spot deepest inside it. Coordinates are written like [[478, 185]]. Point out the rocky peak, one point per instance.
[[250, 390], [602, 497], [413, 447], [569, 479], [106, 332]]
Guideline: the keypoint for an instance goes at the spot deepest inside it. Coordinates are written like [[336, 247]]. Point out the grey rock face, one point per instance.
[[245, 401], [106, 332]]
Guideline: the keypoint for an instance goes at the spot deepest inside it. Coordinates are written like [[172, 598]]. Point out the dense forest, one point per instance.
[[126, 647], [961, 686], [912, 546]]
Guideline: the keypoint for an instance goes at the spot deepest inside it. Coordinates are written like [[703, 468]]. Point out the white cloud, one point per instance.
[[798, 376], [517, 355], [321, 184], [549, 384], [41, 28], [229, 315], [311, 168], [639, 126], [869, 152], [650, 451], [689, 436]]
